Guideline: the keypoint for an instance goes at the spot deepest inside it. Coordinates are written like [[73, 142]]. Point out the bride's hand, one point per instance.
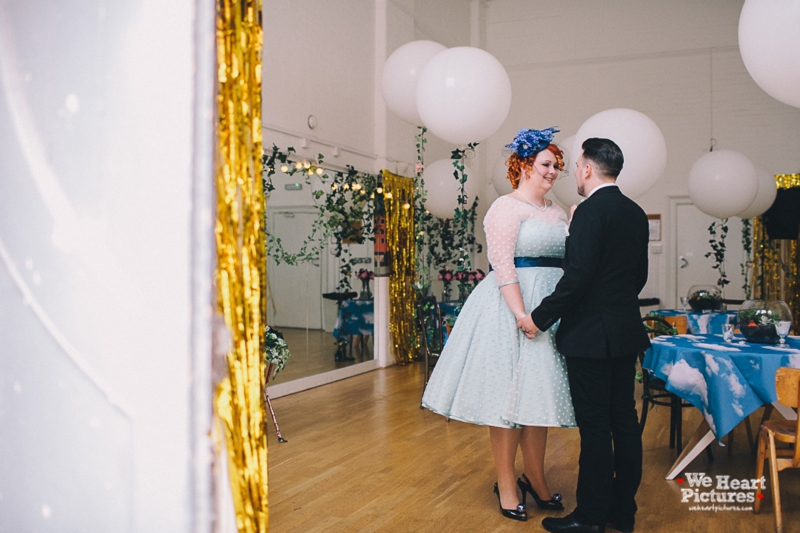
[[526, 324]]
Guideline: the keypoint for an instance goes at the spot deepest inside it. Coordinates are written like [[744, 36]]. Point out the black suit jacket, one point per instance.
[[605, 269]]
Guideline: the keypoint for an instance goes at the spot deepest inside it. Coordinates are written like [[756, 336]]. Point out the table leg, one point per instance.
[[753, 443], [701, 438]]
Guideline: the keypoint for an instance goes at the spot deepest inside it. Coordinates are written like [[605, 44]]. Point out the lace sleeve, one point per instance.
[[502, 226], [561, 214]]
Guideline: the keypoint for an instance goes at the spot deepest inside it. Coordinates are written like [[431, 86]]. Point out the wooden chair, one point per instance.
[[787, 385], [431, 338], [654, 390]]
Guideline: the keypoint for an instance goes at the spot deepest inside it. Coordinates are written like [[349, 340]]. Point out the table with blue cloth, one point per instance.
[[701, 323], [448, 309], [725, 381], [356, 317]]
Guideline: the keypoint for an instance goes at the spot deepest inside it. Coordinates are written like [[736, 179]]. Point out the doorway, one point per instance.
[[692, 244]]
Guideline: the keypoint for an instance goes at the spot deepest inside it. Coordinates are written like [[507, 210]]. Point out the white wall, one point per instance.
[[95, 174], [675, 61], [568, 60], [325, 59]]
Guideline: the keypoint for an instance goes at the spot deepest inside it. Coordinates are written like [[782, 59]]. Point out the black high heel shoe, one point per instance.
[[514, 514], [549, 505]]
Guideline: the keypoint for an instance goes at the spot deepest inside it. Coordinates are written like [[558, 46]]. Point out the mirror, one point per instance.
[[296, 306]]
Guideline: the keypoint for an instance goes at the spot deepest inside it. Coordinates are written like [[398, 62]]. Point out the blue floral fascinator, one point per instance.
[[531, 142]]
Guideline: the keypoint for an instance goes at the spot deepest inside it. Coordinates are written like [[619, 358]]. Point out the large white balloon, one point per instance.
[[769, 46], [640, 140], [401, 74], [443, 188], [500, 178], [765, 197], [463, 95], [723, 183], [565, 188], [567, 148]]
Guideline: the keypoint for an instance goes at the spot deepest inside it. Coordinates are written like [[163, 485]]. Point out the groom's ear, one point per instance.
[[589, 169]]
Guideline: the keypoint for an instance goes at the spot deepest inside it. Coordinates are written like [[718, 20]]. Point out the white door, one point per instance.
[[693, 268], [295, 290]]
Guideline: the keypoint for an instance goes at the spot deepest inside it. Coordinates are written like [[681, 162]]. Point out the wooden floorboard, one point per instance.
[[362, 457]]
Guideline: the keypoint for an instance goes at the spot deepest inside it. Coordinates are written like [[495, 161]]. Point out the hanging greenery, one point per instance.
[[345, 214], [440, 242], [349, 208], [747, 246], [718, 250], [346, 205], [464, 234], [442, 247], [422, 217]]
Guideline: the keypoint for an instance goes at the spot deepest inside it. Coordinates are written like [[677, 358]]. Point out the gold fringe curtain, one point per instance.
[[241, 263], [776, 263], [399, 202]]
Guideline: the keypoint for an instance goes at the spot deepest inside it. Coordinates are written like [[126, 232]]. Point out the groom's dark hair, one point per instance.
[[605, 154]]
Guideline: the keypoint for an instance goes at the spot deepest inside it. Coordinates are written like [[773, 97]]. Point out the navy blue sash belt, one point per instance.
[[523, 262]]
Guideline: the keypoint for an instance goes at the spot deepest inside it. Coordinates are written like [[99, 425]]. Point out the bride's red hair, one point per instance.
[[517, 164]]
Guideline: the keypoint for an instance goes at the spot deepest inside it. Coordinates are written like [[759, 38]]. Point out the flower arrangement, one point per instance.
[[759, 320], [468, 280], [704, 298], [446, 276], [365, 275], [275, 349]]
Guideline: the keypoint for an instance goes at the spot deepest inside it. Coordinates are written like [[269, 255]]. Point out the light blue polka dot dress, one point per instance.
[[489, 373]]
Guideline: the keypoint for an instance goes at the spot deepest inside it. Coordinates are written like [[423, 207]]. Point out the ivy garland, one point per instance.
[[747, 246], [464, 219], [349, 200], [345, 214], [423, 218], [718, 250]]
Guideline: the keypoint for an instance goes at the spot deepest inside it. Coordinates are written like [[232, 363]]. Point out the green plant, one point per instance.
[[764, 317], [718, 250], [747, 246], [464, 228], [422, 217]]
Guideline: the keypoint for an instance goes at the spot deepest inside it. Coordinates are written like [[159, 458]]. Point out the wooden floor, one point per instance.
[[362, 456], [313, 352]]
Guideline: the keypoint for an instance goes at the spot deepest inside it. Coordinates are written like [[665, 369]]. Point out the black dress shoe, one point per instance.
[[570, 524]]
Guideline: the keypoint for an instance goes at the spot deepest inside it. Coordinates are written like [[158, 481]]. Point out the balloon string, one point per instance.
[[711, 97]]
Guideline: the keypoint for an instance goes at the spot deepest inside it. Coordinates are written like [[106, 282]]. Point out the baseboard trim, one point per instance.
[[309, 382]]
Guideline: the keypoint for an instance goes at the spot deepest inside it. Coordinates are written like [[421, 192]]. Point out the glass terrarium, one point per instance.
[[705, 298], [765, 321]]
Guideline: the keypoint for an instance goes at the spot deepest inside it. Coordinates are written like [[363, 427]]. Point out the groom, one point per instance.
[[601, 332]]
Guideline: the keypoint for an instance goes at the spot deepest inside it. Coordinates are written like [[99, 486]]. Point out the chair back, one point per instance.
[[787, 385], [656, 325], [429, 325]]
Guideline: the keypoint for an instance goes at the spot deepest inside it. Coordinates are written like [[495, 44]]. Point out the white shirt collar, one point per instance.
[[600, 187]]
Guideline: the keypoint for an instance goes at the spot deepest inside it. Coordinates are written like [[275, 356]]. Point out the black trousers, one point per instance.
[[611, 442]]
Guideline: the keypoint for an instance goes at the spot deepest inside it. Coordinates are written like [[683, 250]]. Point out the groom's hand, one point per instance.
[[527, 326]]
